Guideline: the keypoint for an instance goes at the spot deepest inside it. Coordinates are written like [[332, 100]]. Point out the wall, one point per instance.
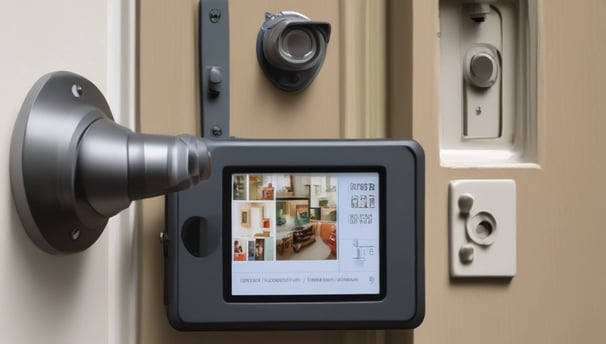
[[400, 68], [168, 104], [261, 110], [557, 294]]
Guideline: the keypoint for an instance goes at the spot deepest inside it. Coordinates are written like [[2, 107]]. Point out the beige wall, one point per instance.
[[399, 68], [261, 110], [168, 104], [557, 295]]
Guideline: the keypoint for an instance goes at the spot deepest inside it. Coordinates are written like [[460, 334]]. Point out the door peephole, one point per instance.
[[291, 49]]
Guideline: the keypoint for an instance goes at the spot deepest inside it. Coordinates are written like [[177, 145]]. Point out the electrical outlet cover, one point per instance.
[[482, 228]]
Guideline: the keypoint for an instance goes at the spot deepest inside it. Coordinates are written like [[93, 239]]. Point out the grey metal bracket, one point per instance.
[[214, 68]]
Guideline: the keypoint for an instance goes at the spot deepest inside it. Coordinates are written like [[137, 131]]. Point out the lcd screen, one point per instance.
[[305, 234]]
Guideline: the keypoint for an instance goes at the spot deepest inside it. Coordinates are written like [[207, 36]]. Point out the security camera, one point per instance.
[[291, 49]]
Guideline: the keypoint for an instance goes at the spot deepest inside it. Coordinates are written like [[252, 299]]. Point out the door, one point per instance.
[[81, 298], [557, 293], [345, 100]]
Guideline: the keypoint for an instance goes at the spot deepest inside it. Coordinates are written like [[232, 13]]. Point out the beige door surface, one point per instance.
[[46, 298], [168, 104], [557, 295]]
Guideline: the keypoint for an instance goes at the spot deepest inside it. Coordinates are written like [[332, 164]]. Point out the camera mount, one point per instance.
[[72, 167]]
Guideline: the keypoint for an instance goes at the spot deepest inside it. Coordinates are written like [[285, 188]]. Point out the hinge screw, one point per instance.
[[214, 15], [217, 131], [77, 90], [75, 234]]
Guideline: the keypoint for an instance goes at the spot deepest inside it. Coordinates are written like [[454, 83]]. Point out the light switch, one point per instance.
[[482, 228]]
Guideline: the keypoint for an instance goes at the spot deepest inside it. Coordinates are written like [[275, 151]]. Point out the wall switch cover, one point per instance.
[[482, 223], [488, 78]]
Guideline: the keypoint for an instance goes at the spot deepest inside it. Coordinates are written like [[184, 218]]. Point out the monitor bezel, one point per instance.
[[229, 171]]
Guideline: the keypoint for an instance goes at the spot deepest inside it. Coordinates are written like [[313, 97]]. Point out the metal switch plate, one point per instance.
[[482, 224]]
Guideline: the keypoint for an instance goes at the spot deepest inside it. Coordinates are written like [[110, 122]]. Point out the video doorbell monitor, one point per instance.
[[299, 235]]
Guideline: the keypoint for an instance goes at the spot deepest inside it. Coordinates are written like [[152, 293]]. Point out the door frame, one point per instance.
[[123, 247]]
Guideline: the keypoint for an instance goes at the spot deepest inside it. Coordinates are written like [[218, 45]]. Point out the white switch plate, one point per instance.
[[505, 132], [482, 106], [482, 241]]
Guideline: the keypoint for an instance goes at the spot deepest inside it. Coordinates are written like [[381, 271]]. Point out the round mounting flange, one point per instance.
[[482, 228], [43, 162]]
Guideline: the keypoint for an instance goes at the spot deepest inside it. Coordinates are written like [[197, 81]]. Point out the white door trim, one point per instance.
[[122, 248]]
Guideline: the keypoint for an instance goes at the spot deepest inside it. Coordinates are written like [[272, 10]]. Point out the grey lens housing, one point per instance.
[[291, 49]]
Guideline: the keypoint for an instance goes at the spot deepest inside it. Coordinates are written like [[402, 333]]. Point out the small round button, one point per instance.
[[482, 67]]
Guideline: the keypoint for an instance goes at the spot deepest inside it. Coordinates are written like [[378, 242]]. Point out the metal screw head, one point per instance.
[[466, 254], [77, 90], [217, 131], [214, 15], [75, 234], [465, 203]]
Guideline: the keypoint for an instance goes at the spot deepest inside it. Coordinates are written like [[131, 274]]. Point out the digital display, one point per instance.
[[305, 234]]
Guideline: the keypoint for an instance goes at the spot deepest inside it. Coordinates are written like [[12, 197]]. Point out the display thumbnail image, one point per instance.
[[284, 216], [259, 249], [239, 187], [253, 230], [298, 237], [260, 187], [252, 187]]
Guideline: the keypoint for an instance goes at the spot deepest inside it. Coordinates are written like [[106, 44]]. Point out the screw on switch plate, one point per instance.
[[466, 254], [482, 228], [465, 204]]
